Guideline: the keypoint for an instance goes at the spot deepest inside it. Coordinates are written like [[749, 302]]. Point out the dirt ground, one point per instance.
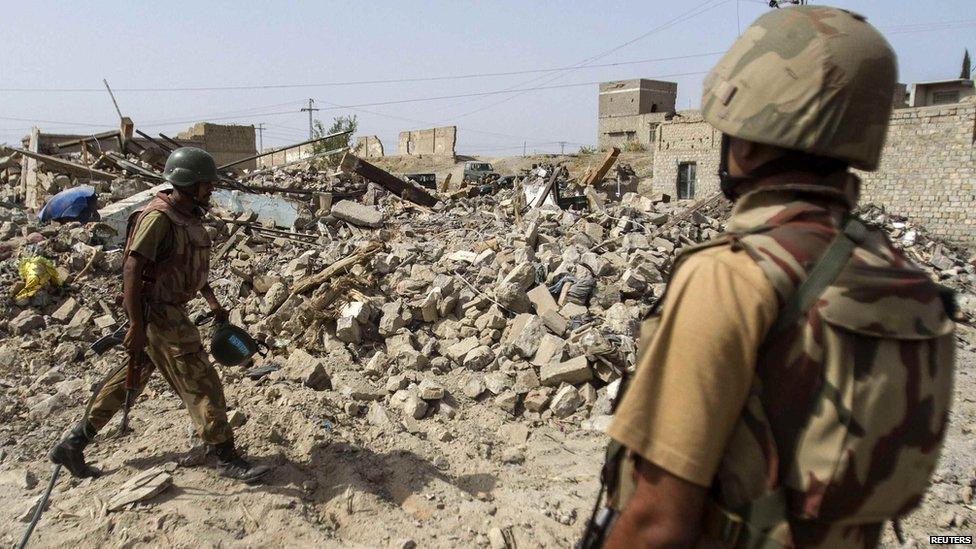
[[342, 481]]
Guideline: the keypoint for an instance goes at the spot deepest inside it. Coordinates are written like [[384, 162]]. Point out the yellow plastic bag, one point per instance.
[[37, 272]]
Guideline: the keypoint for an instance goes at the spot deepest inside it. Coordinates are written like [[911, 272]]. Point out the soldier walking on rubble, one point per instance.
[[794, 388], [166, 263]]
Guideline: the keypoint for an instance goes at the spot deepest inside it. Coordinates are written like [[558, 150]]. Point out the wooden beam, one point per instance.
[[58, 164], [407, 191], [597, 176]]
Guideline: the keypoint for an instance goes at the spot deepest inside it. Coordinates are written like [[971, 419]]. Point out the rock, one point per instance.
[[104, 321], [65, 311], [143, 486], [555, 322], [597, 423], [525, 381], [409, 359], [566, 401], [473, 387], [550, 350], [542, 299], [537, 399], [497, 382], [526, 333], [459, 350], [621, 319], [308, 370], [575, 370], [393, 317], [507, 401], [25, 322], [358, 310], [403, 543], [376, 415], [430, 390], [347, 330], [569, 310], [46, 406], [357, 214], [274, 297], [360, 390], [236, 418], [478, 358], [377, 364], [414, 406]]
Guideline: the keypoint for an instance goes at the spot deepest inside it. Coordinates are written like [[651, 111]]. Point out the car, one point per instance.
[[474, 170]]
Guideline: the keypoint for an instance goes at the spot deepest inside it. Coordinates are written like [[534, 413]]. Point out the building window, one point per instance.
[[945, 97], [687, 173]]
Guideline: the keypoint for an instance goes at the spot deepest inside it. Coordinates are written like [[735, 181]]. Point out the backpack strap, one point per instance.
[[746, 526]]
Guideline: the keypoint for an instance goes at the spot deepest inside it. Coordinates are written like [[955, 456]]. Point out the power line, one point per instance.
[[697, 10], [367, 82], [310, 110]]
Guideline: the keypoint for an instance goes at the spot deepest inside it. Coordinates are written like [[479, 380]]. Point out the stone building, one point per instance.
[[225, 142], [927, 171], [630, 110], [943, 92]]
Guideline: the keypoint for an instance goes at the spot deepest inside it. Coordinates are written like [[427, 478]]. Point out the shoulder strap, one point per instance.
[[822, 274]]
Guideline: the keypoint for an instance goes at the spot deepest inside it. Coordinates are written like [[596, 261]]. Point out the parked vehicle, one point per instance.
[[474, 171]]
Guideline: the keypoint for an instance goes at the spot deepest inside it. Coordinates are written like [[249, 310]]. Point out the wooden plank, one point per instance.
[[28, 174], [314, 281], [58, 164], [596, 176]]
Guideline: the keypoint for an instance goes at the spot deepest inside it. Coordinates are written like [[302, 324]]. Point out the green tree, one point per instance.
[[967, 70], [339, 124]]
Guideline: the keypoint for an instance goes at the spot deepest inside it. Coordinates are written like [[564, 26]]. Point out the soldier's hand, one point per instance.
[[135, 339]]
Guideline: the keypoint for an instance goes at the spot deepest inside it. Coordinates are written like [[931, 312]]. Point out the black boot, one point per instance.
[[230, 464], [70, 453]]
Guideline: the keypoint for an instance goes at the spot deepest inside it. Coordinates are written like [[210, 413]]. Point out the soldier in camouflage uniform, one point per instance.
[[166, 264], [793, 388]]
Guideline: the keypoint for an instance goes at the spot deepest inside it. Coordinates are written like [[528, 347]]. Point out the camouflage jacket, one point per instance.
[[177, 277], [848, 409]]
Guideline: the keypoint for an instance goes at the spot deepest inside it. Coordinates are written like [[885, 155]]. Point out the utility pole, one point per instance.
[[310, 110], [260, 129], [562, 147], [523, 149]]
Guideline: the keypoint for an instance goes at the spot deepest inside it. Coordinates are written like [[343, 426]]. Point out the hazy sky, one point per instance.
[[158, 46]]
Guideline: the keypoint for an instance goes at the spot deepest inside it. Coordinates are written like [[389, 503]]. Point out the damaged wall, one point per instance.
[[439, 141], [927, 172], [368, 146], [225, 142], [285, 156]]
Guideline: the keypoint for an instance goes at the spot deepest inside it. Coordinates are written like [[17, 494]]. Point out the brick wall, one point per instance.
[[686, 138], [226, 143], [927, 172]]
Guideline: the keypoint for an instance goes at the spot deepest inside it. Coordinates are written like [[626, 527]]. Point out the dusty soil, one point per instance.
[[342, 481]]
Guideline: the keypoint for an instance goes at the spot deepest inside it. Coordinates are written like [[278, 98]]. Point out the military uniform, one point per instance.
[[177, 245], [840, 418], [800, 368]]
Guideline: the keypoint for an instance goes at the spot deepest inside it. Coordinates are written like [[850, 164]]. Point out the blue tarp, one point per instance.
[[77, 204]]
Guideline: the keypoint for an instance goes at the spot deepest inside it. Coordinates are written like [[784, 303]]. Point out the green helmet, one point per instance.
[[231, 345], [189, 165], [813, 79]]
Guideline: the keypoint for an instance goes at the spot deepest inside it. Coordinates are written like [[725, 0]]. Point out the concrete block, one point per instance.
[[542, 299], [357, 214], [575, 370]]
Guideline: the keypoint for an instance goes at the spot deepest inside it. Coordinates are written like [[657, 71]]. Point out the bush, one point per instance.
[[587, 150], [339, 124], [634, 146]]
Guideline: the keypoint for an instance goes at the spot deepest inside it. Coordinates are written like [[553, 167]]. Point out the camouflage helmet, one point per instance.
[[189, 165], [810, 78]]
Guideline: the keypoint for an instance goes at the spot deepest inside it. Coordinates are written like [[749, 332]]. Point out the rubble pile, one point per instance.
[[949, 265]]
